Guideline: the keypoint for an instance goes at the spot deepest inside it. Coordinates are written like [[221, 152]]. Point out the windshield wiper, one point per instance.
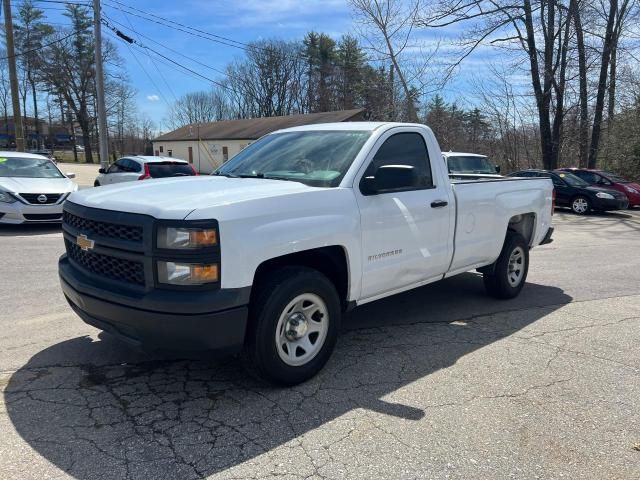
[[228, 175]]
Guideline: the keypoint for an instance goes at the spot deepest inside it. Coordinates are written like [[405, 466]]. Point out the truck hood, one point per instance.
[[175, 198], [36, 185]]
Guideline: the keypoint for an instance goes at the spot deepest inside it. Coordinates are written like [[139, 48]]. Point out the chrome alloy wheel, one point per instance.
[[580, 205], [515, 270], [302, 329]]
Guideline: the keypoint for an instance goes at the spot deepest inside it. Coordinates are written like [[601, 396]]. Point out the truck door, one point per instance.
[[406, 233]]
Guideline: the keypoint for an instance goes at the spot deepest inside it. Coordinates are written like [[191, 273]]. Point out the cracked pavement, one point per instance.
[[439, 382]]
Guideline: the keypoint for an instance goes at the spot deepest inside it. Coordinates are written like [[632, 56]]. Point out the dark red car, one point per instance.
[[609, 180]]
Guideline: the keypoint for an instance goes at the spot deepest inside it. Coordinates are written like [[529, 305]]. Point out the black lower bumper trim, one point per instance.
[[547, 238], [215, 331]]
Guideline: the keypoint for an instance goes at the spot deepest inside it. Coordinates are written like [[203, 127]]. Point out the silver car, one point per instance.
[[32, 188]]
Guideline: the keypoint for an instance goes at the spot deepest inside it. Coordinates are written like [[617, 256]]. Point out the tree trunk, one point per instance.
[[35, 111], [602, 85], [583, 129], [542, 97], [558, 119]]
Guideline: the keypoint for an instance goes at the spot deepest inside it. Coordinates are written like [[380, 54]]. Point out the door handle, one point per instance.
[[439, 204]]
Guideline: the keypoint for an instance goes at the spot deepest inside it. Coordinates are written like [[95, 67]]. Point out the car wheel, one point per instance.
[[96, 183], [509, 273], [581, 205], [294, 321]]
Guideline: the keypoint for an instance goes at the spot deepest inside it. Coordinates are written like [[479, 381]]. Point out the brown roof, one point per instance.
[[252, 128]]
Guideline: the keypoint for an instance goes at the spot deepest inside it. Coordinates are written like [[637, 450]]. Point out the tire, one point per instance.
[[509, 273], [96, 183], [580, 205], [285, 346]]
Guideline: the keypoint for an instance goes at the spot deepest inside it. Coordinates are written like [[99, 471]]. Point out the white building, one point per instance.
[[208, 145]]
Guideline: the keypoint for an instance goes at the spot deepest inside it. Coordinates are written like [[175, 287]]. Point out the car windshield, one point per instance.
[[572, 180], [315, 158], [616, 178], [28, 168], [470, 164], [169, 169]]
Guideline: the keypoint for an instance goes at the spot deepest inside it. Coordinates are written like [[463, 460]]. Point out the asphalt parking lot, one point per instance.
[[439, 382]]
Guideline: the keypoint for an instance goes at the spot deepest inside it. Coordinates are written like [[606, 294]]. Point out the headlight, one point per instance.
[[6, 197], [187, 238], [630, 189], [607, 196], [174, 273]]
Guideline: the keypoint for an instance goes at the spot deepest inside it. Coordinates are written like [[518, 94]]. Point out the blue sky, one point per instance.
[[244, 21]]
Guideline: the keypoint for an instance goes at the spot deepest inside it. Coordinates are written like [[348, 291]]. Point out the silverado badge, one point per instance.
[[84, 243]]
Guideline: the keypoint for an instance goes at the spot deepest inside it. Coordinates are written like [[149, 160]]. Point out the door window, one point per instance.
[[116, 167], [588, 177], [405, 149], [133, 166]]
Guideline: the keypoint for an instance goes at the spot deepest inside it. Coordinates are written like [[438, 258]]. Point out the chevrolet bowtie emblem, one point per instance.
[[84, 243]]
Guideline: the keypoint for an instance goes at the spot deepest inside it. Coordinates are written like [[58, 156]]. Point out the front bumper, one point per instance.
[[167, 320], [608, 204], [18, 212]]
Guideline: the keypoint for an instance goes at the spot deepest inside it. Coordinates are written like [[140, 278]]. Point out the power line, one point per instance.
[[27, 52], [149, 57], [127, 39], [221, 72], [185, 28]]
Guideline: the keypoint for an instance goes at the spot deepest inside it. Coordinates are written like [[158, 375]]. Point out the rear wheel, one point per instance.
[[96, 183], [581, 205], [509, 273], [293, 328]]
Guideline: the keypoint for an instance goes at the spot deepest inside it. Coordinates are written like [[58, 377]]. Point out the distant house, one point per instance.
[[208, 145]]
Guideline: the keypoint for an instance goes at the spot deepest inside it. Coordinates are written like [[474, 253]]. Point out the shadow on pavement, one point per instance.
[[190, 419], [30, 229]]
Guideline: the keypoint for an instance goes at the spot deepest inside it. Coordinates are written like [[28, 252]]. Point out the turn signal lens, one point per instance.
[[203, 238], [205, 273]]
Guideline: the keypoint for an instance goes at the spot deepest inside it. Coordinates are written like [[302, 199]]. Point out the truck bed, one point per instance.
[[485, 206]]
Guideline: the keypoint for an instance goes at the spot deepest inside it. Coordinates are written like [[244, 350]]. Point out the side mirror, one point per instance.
[[102, 170], [389, 178], [70, 175], [498, 169]]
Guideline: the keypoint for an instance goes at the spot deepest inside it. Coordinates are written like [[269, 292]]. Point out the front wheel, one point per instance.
[[293, 327], [96, 183], [509, 272], [581, 205]]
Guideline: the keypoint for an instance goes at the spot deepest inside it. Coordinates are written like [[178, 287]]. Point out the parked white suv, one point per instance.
[[138, 167], [32, 188]]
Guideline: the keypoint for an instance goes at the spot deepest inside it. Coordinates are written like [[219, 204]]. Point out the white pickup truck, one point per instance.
[[265, 255]]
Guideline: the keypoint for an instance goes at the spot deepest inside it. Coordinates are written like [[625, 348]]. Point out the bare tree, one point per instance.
[[389, 23], [269, 81], [199, 107]]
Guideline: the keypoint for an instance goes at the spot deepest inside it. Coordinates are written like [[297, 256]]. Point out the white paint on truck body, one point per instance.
[[392, 242]]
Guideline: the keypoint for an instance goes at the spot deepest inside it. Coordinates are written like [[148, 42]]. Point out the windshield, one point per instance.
[[315, 158], [169, 169], [616, 178], [572, 180], [28, 168], [470, 164]]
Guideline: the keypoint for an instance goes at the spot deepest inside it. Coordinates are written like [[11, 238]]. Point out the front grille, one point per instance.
[[42, 216], [48, 198], [114, 268], [130, 233]]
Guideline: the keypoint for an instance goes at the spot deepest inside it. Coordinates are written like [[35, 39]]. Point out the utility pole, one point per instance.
[[13, 77], [103, 140]]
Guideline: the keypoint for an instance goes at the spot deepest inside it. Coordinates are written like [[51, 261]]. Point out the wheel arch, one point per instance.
[[332, 261], [524, 224]]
